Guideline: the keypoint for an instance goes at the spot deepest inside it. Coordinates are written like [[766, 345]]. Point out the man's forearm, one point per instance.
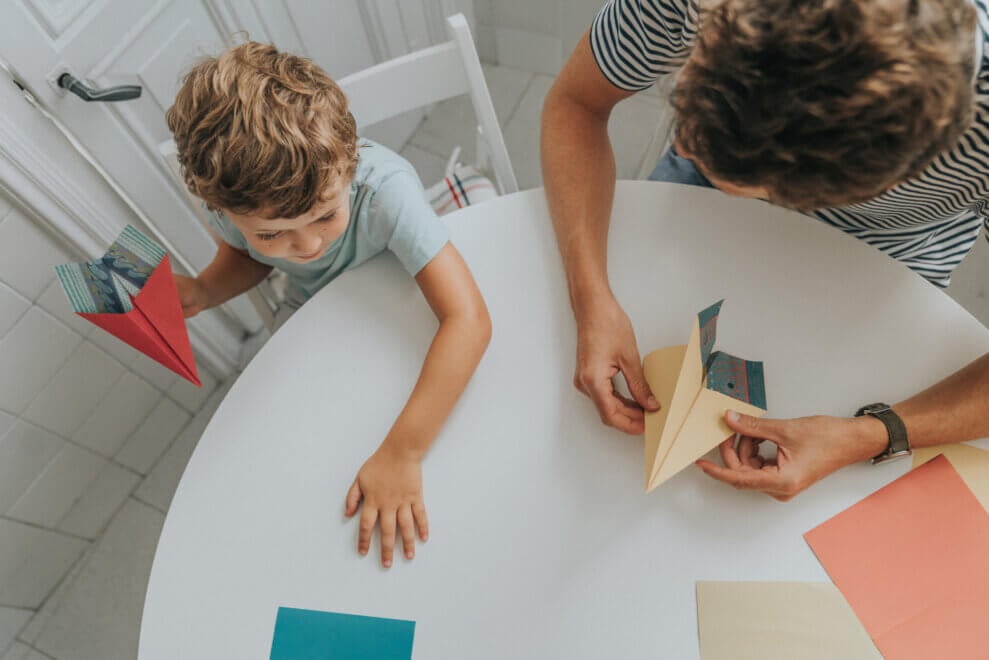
[[953, 410], [230, 274], [579, 176]]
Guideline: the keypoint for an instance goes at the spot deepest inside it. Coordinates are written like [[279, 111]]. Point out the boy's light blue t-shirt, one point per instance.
[[388, 211]]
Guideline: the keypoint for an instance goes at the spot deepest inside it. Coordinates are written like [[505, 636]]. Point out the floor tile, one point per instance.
[[25, 450], [21, 651], [970, 283], [99, 617], [158, 487], [30, 355], [430, 167], [12, 620], [188, 395], [57, 488], [32, 562], [119, 414], [104, 496], [74, 392], [28, 255], [54, 301], [153, 436], [12, 308]]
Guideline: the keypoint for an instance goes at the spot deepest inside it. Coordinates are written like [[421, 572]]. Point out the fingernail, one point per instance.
[[653, 402], [408, 555], [387, 563], [732, 416]]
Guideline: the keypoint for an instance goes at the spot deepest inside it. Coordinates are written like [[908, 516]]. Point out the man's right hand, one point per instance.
[[192, 294], [606, 346]]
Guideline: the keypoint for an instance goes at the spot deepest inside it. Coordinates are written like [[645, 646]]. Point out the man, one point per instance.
[[873, 116]]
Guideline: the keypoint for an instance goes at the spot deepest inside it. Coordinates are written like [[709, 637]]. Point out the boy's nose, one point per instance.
[[308, 243]]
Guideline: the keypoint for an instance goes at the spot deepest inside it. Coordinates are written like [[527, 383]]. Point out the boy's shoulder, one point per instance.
[[377, 164]]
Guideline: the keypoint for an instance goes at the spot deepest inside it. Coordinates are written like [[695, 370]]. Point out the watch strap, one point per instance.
[[896, 431]]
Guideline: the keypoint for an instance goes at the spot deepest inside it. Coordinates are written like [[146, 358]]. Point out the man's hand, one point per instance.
[[606, 346], [807, 450], [391, 487], [192, 294]]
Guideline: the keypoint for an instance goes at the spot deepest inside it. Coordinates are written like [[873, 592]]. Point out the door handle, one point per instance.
[[80, 89]]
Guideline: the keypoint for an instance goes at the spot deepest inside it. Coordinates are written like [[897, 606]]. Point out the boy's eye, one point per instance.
[[269, 236], [327, 218]]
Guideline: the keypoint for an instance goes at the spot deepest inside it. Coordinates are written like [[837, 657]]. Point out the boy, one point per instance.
[[871, 114], [266, 141]]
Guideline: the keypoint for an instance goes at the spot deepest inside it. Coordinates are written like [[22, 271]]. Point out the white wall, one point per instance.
[[532, 35], [82, 418]]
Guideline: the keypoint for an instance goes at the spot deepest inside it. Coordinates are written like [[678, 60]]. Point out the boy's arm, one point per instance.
[[231, 273], [390, 482]]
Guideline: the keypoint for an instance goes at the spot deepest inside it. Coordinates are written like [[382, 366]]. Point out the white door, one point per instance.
[[152, 42]]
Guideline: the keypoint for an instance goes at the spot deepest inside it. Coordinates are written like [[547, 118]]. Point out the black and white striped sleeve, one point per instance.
[[636, 41]]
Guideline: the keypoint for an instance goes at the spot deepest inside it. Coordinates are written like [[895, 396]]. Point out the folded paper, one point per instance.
[[130, 293], [778, 621], [971, 463], [910, 559], [695, 385], [317, 635]]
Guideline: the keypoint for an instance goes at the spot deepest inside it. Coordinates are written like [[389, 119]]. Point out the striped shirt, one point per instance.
[[929, 223]]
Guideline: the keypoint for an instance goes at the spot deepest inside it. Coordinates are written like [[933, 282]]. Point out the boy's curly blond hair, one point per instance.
[[259, 131], [826, 102]]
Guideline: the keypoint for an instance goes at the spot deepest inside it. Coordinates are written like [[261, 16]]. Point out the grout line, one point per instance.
[[34, 525], [137, 498], [518, 101]]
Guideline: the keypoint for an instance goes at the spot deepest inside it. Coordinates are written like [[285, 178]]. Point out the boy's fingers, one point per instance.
[[407, 528], [353, 499], [368, 517], [422, 521], [387, 523]]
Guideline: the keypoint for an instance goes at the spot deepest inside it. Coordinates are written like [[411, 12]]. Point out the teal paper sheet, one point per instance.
[[732, 376], [312, 635]]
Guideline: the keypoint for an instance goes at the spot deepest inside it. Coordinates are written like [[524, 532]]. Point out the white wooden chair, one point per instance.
[[428, 76], [391, 88]]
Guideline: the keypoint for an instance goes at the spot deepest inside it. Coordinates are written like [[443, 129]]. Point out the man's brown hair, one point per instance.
[[826, 102], [259, 131]]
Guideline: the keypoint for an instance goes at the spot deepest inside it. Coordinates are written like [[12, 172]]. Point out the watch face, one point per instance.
[[873, 408]]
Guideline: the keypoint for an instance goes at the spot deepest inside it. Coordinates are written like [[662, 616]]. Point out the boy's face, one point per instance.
[[303, 238]]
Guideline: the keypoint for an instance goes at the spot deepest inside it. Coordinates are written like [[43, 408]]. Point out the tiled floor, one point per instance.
[[94, 614]]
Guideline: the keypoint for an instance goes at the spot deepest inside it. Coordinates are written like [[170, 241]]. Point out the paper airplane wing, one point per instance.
[[131, 294]]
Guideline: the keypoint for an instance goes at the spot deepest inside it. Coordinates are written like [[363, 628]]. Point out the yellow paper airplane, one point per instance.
[[695, 387]]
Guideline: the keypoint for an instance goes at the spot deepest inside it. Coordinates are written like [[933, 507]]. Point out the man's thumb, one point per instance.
[[750, 426]]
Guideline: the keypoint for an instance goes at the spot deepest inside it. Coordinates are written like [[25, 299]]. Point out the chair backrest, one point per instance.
[[428, 76]]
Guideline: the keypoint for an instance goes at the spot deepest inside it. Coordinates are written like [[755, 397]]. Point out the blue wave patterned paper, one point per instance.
[[106, 286]]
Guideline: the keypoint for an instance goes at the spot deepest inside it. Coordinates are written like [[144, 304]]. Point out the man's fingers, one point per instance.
[[762, 480], [407, 528], [368, 517], [387, 524], [613, 411], [748, 453], [635, 378], [353, 499], [728, 454], [422, 520], [754, 427]]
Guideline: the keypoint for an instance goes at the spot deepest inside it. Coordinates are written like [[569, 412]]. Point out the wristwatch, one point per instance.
[[899, 446]]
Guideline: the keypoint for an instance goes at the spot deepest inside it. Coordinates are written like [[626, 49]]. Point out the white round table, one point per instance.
[[543, 543]]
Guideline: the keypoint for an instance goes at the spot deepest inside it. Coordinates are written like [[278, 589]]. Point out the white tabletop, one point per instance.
[[543, 543]]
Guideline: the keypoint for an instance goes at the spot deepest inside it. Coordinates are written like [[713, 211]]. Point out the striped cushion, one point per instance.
[[464, 186]]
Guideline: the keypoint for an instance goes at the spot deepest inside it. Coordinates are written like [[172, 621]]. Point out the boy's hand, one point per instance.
[[390, 485], [192, 295]]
